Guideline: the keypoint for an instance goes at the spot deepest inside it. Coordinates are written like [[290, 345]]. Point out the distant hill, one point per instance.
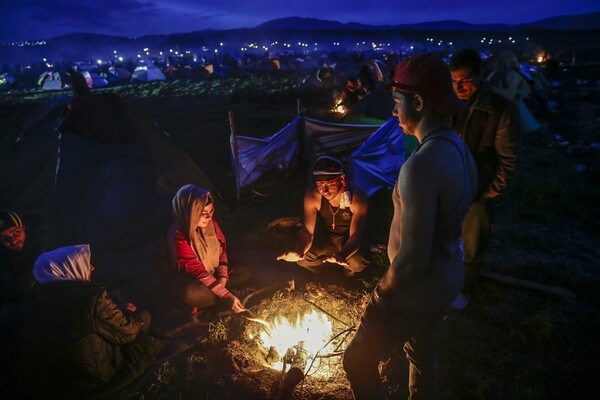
[[299, 23], [580, 32], [584, 21]]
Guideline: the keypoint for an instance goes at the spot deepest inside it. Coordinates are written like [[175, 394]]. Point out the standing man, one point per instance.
[[490, 128], [435, 187], [334, 220]]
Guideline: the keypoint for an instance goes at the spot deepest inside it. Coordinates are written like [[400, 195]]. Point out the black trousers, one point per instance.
[[383, 329]]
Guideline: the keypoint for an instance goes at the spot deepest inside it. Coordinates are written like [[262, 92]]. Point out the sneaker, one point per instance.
[[461, 302]]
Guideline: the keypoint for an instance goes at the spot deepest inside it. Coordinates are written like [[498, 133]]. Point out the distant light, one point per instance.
[[43, 59], [114, 51], [216, 50], [99, 61], [120, 58], [221, 44]]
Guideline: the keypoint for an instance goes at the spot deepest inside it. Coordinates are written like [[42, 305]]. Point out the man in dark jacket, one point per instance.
[[76, 342], [490, 128]]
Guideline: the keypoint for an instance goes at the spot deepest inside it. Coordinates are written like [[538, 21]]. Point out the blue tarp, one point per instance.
[[374, 153]]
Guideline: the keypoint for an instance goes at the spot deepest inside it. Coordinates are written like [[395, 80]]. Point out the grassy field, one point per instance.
[[511, 342]]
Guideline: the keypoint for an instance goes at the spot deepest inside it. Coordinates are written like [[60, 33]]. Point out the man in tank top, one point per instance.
[[435, 188], [334, 220]]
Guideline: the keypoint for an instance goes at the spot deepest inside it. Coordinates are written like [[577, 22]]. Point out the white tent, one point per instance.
[[147, 73], [50, 81]]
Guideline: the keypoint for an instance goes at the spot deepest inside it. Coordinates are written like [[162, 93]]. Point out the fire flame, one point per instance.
[[314, 329], [339, 106]]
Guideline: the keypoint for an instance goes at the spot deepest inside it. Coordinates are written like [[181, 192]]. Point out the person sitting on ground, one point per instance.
[[76, 342], [334, 221], [199, 275], [349, 95], [18, 252]]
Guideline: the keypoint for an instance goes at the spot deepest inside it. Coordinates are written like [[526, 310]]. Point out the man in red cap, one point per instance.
[[434, 190], [490, 128]]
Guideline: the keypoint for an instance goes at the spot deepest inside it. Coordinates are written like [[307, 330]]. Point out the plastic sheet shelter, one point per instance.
[[374, 153]]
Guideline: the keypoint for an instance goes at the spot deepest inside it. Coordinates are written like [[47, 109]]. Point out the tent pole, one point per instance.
[[298, 106], [236, 155]]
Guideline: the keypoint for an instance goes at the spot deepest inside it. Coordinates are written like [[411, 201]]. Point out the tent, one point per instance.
[[50, 81], [374, 153], [6, 81], [94, 80], [105, 176], [119, 74], [378, 103], [147, 73]]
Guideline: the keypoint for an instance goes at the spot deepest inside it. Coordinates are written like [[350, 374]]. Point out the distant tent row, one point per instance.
[[374, 153]]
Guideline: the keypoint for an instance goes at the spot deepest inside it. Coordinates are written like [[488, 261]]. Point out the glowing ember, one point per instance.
[[339, 106], [314, 330]]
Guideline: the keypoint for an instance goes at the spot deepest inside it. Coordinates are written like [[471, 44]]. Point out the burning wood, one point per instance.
[[302, 334]]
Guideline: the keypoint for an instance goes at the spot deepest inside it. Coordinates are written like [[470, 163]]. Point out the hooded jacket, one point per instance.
[[75, 341]]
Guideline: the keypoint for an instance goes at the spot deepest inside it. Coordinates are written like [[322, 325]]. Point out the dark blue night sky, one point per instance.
[[43, 19]]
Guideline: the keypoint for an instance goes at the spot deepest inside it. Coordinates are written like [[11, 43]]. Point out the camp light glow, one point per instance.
[[312, 331]]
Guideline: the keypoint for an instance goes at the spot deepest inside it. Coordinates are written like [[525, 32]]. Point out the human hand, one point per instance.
[[291, 256], [236, 306], [336, 259]]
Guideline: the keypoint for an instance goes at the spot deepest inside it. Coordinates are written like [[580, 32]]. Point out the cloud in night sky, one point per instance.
[[42, 19]]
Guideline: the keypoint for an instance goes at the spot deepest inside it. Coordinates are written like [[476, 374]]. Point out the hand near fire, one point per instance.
[[291, 256], [336, 258], [236, 304]]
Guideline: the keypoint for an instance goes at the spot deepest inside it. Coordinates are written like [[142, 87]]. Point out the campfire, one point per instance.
[[301, 335], [338, 106], [298, 341]]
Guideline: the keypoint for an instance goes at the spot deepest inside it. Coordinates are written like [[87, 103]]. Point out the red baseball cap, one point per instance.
[[428, 75]]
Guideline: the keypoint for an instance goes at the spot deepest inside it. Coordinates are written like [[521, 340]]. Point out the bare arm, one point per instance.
[[418, 197], [305, 238], [357, 225]]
